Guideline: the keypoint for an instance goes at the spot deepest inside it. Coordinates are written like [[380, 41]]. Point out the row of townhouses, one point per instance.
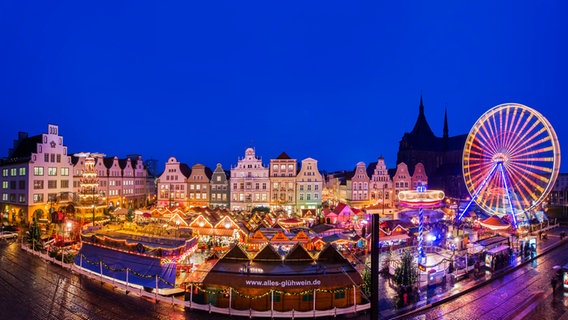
[[39, 177]]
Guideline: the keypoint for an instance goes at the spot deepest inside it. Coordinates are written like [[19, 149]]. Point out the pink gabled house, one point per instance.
[[343, 212], [329, 216]]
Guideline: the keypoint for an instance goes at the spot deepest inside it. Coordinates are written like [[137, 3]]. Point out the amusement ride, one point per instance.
[[511, 160]]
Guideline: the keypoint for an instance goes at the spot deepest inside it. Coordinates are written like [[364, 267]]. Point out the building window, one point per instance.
[[52, 184], [22, 185], [64, 184], [4, 184], [22, 171], [38, 197], [13, 172], [64, 171], [307, 297], [53, 157], [38, 171], [46, 157], [340, 295], [51, 171], [22, 198], [58, 158], [4, 172]]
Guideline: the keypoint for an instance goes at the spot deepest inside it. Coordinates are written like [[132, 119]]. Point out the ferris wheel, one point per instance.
[[511, 160]]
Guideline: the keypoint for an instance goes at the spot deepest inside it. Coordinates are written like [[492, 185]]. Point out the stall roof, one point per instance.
[[498, 249], [492, 240]]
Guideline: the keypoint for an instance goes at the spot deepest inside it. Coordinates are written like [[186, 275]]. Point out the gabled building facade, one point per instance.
[[220, 191], [199, 185], [358, 186], [402, 179], [249, 183], [173, 184], [309, 186], [122, 183], [36, 177], [283, 172], [419, 177], [380, 184]]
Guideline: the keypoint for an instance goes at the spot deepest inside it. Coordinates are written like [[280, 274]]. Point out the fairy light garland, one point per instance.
[[167, 255], [254, 297]]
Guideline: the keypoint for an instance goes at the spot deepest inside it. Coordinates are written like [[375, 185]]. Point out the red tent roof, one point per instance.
[[494, 223]]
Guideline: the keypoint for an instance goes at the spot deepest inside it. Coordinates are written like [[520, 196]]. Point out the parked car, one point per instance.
[[9, 227], [8, 235]]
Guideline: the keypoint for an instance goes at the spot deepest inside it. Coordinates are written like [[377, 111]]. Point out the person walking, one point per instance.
[[553, 283]]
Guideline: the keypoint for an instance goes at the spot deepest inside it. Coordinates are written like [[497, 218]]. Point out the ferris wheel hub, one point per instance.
[[500, 158]]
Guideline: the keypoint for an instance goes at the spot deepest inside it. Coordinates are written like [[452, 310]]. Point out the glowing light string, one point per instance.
[[508, 195], [491, 172]]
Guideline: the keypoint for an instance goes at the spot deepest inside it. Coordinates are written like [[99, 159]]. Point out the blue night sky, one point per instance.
[[338, 81]]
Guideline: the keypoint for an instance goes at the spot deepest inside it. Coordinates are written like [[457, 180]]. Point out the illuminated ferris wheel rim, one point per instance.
[[510, 142]]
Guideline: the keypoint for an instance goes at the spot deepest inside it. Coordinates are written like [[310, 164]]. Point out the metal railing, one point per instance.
[[138, 290]]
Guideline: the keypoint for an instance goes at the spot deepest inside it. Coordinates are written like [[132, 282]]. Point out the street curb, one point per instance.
[[496, 276]]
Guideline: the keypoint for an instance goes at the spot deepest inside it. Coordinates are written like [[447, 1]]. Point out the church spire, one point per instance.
[[421, 128]]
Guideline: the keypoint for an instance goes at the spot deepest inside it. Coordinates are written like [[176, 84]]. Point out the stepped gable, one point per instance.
[[298, 254], [236, 253], [330, 255], [267, 254]]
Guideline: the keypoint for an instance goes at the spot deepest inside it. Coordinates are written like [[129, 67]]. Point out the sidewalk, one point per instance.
[[449, 291]]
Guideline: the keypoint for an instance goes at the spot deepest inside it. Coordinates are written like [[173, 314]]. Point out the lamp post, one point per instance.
[[375, 267]]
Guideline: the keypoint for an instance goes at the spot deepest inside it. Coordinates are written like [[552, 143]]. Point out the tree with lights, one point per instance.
[[406, 275]]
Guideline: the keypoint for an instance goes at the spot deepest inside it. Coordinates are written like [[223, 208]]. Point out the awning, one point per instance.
[[494, 223], [394, 237]]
